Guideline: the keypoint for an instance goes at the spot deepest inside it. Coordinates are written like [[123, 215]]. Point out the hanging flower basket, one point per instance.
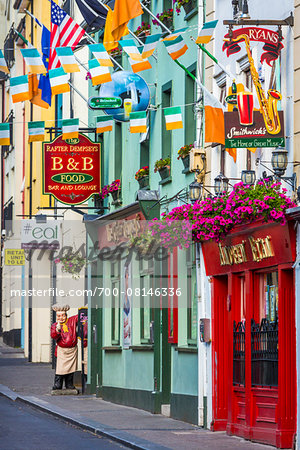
[[162, 166], [166, 17], [116, 195], [72, 263], [186, 161], [144, 182], [188, 5], [143, 30]]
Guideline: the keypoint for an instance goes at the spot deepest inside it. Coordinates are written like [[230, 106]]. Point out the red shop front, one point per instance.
[[253, 332]]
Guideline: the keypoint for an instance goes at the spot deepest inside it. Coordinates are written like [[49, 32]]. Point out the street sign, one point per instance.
[[104, 102]]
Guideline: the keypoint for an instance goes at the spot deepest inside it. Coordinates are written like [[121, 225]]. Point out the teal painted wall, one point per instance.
[[127, 368]]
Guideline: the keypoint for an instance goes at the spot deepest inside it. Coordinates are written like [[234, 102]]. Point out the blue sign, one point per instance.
[[132, 89]]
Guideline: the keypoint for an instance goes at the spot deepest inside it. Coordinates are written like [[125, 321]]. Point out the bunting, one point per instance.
[[138, 122], [173, 117], [33, 60], [4, 134], [150, 45], [67, 59], [100, 53], [19, 88], [59, 81], [36, 131], [206, 33], [104, 123], [138, 66], [176, 47], [98, 73], [3, 65], [70, 128], [131, 49]]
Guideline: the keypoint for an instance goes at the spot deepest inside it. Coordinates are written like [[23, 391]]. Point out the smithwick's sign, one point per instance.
[[257, 246], [251, 136], [270, 38], [71, 169], [261, 248]]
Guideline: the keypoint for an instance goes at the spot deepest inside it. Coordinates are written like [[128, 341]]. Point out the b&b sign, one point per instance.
[[71, 169]]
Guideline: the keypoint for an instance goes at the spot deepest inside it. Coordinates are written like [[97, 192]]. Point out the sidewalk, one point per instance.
[[31, 383]]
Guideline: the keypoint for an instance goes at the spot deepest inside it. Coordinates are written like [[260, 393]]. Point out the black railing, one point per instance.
[[239, 353], [264, 353]]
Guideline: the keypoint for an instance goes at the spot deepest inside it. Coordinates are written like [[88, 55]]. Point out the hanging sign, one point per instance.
[[270, 38], [253, 135], [104, 102], [71, 169]]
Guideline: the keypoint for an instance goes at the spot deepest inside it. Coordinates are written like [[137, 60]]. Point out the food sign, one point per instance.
[[71, 169]]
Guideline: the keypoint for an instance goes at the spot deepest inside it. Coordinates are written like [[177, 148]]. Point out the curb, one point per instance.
[[137, 443]]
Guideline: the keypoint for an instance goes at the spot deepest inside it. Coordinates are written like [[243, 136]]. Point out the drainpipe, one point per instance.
[[297, 296]]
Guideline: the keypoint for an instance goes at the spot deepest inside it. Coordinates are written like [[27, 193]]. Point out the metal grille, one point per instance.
[[9, 49], [264, 353], [239, 353]]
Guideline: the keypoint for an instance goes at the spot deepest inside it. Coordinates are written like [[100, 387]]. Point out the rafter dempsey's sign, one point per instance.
[[40, 235], [251, 136], [71, 169], [270, 38]]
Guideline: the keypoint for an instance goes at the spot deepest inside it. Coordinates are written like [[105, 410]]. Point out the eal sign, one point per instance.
[[40, 235]]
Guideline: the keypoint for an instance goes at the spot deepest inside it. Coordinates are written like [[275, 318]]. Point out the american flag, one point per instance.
[[64, 33]]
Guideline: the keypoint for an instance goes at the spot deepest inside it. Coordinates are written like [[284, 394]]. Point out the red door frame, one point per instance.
[[264, 414]]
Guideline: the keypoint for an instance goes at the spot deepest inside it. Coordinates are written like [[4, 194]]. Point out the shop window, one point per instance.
[[115, 299], [146, 296], [264, 333], [166, 135], [118, 150], [191, 296]]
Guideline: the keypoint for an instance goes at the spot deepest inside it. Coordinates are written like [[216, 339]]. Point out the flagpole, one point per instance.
[[213, 58], [77, 91]]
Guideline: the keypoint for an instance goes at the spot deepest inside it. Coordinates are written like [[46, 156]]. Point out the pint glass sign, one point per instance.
[[71, 169]]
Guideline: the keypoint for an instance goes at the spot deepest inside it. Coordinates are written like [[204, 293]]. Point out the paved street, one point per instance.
[[31, 383], [22, 427]]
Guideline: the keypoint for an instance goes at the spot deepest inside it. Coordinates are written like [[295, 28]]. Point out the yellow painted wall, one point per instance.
[[42, 13]]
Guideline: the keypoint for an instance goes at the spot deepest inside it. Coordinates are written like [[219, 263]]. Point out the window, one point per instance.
[[264, 333], [189, 118], [173, 296], [8, 216], [191, 296], [115, 299], [9, 49], [118, 150], [166, 135], [146, 295]]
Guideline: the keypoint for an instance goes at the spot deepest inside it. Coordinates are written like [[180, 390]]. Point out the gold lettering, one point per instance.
[[57, 165], [87, 163]]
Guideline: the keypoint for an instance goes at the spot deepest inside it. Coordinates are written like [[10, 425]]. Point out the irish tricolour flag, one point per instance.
[[206, 33], [176, 47], [173, 118], [138, 122], [67, 59], [36, 131], [101, 55], [4, 134], [138, 66], [19, 88], [150, 45], [59, 81], [131, 49], [104, 123], [99, 74], [70, 128], [3, 65], [33, 60]]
